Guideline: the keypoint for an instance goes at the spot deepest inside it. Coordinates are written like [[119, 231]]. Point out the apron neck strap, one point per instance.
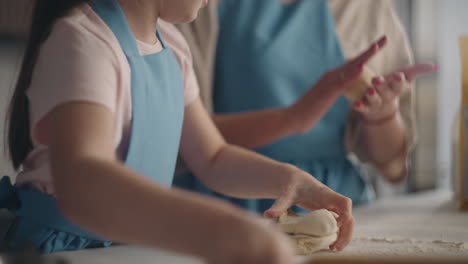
[[112, 14]]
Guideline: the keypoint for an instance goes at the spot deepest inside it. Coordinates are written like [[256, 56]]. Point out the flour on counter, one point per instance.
[[398, 247], [461, 245]]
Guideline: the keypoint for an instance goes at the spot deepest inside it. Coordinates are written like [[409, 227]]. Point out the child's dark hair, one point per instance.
[[45, 14]]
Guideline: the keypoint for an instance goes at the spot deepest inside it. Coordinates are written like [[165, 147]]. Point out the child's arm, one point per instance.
[[241, 173], [260, 128], [97, 192]]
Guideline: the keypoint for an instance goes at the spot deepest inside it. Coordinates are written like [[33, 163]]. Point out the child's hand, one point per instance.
[[247, 240], [382, 101], [308, 193]]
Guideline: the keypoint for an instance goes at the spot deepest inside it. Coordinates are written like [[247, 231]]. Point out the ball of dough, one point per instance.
[[306, 245], [358, 88], [317, 223], [311, 232]]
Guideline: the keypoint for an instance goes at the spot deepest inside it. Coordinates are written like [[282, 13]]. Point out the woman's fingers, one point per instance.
[[417, 70], [387, 90], [370, 52], [395, 84], [350, 74], [398, 84], [353, 69], [372, 101]]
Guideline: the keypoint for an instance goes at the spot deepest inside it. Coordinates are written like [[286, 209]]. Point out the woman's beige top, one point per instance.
[[358, 23]]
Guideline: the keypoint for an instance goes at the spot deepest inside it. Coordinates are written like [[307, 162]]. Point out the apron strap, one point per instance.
[[113, 15], [108, 10]]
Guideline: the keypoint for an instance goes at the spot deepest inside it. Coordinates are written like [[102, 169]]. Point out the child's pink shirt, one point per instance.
[[82, 61]]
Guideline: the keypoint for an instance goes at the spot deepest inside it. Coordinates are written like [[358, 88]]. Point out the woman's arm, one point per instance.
[[261, 128], [241, 173], [264, 127], [99, 193], [383, 129], [385, 143]]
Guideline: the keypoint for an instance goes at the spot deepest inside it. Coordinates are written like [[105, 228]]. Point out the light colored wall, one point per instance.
[[14, 15], [453, 23], [424, 33], [403, 8]]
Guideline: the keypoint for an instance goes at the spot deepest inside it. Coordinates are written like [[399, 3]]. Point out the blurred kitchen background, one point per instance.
[[433, 26]]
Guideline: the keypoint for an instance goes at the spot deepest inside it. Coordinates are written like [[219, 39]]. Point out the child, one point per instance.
[[99, 110]]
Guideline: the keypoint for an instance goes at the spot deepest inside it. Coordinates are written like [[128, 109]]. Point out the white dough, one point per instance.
[[318, 223], [311, 232], [306, 245], [358, 88]]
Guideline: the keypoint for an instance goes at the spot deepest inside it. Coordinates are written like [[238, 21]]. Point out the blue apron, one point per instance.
[[268, 56], [157, 111]]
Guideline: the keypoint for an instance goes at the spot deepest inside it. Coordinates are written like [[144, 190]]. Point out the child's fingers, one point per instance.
[[346, 224], [291, 212], [343, 208], [282, 204], [417, 70]]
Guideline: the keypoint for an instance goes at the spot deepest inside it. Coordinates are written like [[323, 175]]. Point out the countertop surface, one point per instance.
[[426, 224]]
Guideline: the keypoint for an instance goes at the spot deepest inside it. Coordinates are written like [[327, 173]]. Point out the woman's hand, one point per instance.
[[382, 101], [307, 192], [338, 79], [311, 107]]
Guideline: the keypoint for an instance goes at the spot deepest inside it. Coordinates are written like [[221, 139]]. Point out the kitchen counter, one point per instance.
[[426, 224]]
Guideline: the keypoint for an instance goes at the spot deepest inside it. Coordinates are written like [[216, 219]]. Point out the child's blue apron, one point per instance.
[[157, 112], [268, 56]]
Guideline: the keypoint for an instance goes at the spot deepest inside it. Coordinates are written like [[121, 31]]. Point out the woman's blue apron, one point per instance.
[[268, 56], [157, 116]]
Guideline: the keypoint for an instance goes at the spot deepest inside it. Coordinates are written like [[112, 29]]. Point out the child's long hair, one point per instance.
[[45, 14]]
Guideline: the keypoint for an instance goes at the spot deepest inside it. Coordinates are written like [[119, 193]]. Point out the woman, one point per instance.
[[262, 98]]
